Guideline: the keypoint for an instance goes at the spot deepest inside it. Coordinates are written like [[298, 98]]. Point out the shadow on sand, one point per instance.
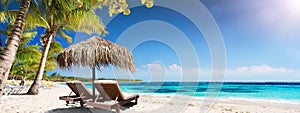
[[74, 109]]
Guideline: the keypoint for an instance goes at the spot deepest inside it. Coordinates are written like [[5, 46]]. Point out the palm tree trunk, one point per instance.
[[34, 89], [8, 54], [23, 78]]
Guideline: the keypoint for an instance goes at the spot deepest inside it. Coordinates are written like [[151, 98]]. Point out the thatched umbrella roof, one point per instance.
[[96, 52]]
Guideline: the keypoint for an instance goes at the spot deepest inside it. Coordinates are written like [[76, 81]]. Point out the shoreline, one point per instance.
[[47, 101], [279, 101], [250, 99]]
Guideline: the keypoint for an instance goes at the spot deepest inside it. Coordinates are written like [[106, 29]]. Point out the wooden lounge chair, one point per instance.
[[111, 91], [82, 94]]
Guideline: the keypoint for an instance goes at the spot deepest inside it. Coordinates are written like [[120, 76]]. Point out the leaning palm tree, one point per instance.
[[8, 54], [63, 15], [77, 16]]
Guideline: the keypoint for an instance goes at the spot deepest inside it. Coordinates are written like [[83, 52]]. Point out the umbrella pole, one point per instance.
[[93, 79]]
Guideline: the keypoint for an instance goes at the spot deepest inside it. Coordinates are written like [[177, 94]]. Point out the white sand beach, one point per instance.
[[47, 101]]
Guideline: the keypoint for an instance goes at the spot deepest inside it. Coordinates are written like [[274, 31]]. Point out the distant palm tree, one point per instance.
[[26, 56], [55, 48], [26, 63]]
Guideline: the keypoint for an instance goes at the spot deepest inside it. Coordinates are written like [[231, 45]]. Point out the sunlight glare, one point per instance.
[[292, 7]]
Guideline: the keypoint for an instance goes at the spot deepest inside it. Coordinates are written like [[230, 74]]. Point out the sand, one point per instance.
[[47, 101]]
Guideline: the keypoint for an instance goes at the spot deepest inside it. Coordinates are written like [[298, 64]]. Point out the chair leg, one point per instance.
[[136, 100], [81, 103], [117, 108]]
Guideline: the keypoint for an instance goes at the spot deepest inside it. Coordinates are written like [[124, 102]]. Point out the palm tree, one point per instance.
[[26, 56], [57, 16], [64, 15], [78, 16], [15, 20], [8, 54]]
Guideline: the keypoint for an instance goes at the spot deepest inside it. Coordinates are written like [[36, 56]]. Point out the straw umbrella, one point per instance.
[[95, 53]]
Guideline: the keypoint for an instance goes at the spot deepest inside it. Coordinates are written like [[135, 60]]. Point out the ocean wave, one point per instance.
[[276, 101]]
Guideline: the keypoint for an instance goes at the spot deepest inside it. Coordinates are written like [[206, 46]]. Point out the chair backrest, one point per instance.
[[109, 89], [79, 89]]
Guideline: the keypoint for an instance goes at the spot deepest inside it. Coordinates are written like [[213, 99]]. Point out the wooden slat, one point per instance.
[[113, 91], [67, 98]]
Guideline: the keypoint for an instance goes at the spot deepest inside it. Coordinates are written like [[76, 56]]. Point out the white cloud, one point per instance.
[[157, 67], [175, 67], [198, 70], [260, 69]]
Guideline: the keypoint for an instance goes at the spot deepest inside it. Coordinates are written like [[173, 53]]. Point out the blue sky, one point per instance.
[[260, 37]]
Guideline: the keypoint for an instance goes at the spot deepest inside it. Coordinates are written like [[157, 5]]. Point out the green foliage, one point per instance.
[[68, 15], [83, 21], [26, 58], [75, 15], [55, 48], [56, 77], [67, 37], [32, 20]]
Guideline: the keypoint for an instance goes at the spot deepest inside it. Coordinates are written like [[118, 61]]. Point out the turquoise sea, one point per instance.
[[281, 91]]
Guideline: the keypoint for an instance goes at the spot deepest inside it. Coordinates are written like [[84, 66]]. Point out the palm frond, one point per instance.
[[55, 48], [36, 7], [92, 23], [7, 15], [64, 5], [84, 21], [72, 20], [65, 36], [3, 17], [34, 20], [29, 53], [27, 58], [3, 33], [26, 37], [50, 65]]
